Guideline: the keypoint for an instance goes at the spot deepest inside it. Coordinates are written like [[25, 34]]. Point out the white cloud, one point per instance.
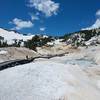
[[94, 26], [33, 17], [98, 13], [48, 7], [96, 23], [42, 29], [20, 24]]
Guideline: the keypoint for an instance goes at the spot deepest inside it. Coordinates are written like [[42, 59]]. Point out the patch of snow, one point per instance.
[[93, 40], [3, 52], [50, 43], [58, 41], [45, 36]]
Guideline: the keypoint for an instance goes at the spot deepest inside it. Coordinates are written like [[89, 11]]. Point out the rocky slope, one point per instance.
[[83, 37], [13, 53]]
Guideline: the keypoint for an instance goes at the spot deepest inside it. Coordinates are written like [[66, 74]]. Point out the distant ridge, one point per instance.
[[10, 35]]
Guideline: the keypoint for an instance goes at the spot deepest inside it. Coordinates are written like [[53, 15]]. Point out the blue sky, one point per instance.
[[53, 17]]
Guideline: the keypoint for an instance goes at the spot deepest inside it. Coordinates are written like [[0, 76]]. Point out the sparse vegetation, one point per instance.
[[37, 41], [2, 42], [79, 38]]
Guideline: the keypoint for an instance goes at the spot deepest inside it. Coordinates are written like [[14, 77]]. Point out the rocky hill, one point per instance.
[[83, 37]]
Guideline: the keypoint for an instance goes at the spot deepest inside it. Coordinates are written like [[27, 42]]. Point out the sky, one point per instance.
[[50, 17]]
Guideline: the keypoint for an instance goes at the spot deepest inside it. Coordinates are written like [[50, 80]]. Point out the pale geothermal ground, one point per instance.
[[75, 76]]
